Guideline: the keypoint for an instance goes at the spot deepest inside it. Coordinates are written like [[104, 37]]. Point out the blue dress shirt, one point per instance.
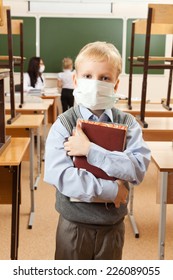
[[129, 165]]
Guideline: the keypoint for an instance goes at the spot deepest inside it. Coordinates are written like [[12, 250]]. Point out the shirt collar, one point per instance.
[[87, 114], [67, 70]]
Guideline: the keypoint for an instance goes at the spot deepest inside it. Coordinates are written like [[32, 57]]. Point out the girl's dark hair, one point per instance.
[[33, 69]]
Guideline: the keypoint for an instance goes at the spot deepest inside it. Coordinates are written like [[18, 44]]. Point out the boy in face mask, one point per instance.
[[89, 230]]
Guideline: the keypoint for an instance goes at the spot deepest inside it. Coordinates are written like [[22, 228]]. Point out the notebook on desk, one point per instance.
[[50, 91], [35, 92]]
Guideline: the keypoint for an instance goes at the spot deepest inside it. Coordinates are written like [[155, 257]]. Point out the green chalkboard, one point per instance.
[[29, 40], [62, 37], [157, 48]]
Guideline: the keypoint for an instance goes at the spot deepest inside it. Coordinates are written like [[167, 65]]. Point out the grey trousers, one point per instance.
[[76, 241]]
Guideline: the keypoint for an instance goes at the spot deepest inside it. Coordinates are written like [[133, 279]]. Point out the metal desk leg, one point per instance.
[[130, 212], [38, 160], [19, 202], [45, 121], [31, 178], [162, 222], [15, 170]]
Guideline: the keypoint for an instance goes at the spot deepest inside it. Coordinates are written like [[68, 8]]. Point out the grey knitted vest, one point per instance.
[[83, 212]]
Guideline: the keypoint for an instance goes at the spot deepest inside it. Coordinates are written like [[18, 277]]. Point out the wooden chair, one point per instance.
[[12, 27], [1, 13], [4, 139], [159, 21]]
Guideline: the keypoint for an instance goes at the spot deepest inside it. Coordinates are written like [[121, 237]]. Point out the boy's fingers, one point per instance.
[[78, 127], [117, 205], [79, 122]]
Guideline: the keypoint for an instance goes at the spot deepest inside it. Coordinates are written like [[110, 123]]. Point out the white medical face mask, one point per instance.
[[94, 94], [42, 68]]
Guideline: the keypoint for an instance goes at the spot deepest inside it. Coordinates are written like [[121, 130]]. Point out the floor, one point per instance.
[[38, 243]]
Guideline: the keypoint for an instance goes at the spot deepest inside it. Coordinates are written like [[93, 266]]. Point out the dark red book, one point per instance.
[[110, 136]]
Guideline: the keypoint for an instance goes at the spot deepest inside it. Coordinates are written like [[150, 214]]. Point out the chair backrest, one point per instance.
[[13, 27], [162, 13], [161, 18], [1, 13], [159, 21], [15, 23]]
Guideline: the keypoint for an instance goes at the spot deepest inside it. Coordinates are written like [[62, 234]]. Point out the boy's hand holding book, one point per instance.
[[78, 144], [109, 136], [121, 195]]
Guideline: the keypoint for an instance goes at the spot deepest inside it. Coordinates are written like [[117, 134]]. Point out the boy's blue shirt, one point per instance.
[[130, 165]]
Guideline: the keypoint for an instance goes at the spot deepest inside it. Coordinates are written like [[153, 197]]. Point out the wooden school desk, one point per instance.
[[24, 126], [162, 155], [34, 106], [159, 129], [11, 158], [151, 109], [53, 111]]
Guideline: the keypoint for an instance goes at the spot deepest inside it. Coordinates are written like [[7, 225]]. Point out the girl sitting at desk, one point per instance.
[[33, 78]]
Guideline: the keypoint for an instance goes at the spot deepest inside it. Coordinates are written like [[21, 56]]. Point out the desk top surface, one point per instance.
[[158, 124], [152, 108], [25, 121], [14, 152], [50, 95], [4, 73], [4, 70], [162, 154], [31, 106]]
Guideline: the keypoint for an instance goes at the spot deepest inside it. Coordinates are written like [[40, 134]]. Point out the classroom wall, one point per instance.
[[121, 9]]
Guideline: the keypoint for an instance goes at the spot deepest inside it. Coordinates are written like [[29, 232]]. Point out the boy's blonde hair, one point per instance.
[[67, 63], [100, 51]]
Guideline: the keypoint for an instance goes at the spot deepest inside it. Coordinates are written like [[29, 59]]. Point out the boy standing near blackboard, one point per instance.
[[65, 83], [88, 230]]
